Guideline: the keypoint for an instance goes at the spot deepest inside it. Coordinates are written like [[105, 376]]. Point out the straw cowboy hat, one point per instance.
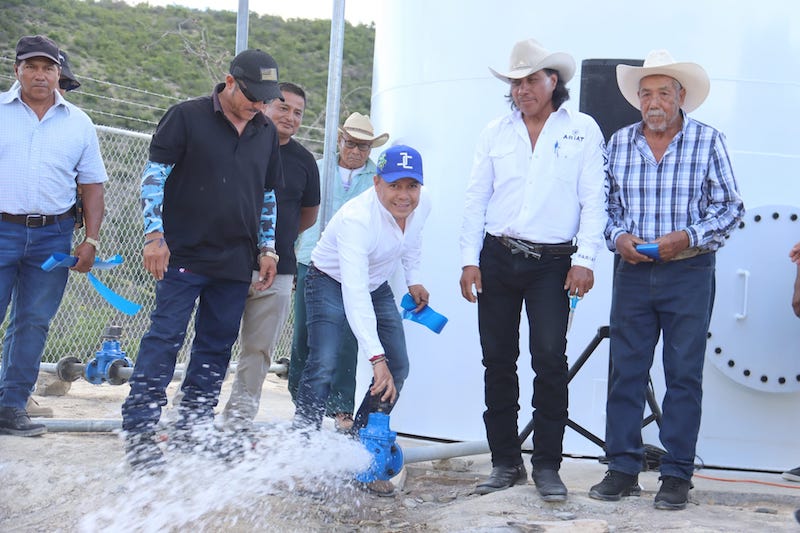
[[691, 76], [359, 127], [529, 56]]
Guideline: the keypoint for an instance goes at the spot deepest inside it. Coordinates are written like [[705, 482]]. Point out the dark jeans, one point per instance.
[[650, 298], [508, 281], [326, 325], [34, 297], [216, 324], [343, 387]]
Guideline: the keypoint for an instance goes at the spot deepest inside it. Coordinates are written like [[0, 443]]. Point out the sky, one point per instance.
[[355, 11]]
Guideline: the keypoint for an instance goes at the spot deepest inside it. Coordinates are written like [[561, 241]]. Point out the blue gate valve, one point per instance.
[[108, 360], [380, 441]]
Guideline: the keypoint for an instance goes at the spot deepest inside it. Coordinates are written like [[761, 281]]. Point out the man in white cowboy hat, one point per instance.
[[355, 172], [671, 185], [533, 225]]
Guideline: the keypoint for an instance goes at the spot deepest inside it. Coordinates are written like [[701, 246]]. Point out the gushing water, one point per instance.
[[271, 478]]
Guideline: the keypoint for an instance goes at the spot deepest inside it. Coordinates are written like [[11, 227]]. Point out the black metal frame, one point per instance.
[[655, 415]]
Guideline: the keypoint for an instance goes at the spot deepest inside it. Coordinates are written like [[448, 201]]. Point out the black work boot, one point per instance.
[[501, 478], [549, 485], [142, 452], [15, 421], [673, 494], [616, 485]]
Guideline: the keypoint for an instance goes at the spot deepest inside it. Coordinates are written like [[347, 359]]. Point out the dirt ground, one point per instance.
[[78, 481]]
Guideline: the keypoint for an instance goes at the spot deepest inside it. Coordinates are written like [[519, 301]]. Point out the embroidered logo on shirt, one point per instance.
[[574, 135]]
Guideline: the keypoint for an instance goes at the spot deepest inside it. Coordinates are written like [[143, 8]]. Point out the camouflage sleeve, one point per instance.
[[266, 228], [153, 178]]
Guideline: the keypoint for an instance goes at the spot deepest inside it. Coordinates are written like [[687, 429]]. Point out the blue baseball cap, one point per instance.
[[400, 161]]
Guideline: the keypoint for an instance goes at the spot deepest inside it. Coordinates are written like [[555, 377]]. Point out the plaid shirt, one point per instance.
[[692, 188]]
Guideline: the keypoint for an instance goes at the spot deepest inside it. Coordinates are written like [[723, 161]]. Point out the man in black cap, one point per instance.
[[37, 215], [209, 215], [66, 83]]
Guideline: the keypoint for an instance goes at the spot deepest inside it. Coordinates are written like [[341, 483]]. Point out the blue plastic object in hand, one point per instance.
[[427, 316], [650, 250], [64, 260]]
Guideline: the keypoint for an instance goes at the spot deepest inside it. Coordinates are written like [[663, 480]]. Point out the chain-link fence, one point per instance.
[[84, 314]]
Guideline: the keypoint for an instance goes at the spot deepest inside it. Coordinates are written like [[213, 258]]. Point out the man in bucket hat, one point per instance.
[[532, 227], [670, 184], [355, 175], [347, 284]]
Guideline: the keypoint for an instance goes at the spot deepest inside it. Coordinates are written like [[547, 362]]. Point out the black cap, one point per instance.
[[67, 80], [37, 46], [259, 73]]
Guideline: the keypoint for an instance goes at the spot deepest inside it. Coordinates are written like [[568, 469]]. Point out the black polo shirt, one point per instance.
[[214, 195], [300, 189]]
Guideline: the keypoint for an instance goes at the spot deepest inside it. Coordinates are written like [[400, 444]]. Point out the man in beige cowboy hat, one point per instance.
[[671, 186], [355, 172], [533, 225]]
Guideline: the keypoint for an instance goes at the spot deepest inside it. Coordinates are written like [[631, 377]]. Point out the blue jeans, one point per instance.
[[508, 281], [673, 299], [341, 398], [216, 326], [326, 325], [34, 296]]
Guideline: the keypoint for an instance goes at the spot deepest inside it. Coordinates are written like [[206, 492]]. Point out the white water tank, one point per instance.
[[433, 91]]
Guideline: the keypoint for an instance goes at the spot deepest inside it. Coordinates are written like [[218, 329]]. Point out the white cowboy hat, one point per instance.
[[529, 56], [691, 76], [359, 127]]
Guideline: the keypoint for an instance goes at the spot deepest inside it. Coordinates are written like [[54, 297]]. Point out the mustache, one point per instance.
[[656, 113]]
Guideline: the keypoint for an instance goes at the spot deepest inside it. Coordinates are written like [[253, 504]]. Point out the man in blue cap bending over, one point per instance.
[[348, 280]]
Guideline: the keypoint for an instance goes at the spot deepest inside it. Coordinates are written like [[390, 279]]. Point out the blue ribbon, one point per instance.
[[426, 316], [121, 304]]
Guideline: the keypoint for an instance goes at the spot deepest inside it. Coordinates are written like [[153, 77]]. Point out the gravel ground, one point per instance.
[[65, 481]]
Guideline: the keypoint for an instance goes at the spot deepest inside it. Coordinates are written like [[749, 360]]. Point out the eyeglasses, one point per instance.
[[247, 94], [363, 147]]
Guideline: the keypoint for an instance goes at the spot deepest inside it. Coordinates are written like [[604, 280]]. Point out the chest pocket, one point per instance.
[[505, 163], [568, 158]]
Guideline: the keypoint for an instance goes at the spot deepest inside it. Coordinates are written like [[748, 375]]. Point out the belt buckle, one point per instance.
[[518, 246], [35, 221]]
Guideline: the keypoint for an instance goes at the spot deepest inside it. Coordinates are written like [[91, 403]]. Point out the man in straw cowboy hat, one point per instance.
[[670, 184], [355, 172], [533, 225]]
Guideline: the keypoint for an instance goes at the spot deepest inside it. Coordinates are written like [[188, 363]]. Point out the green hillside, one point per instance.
[[136, 61]]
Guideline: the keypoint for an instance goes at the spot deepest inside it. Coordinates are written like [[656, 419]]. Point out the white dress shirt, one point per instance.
[[361, 248], [552, 194]]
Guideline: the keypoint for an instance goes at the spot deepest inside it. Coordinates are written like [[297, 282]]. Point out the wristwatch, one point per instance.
[[93, 242], [269, 252]]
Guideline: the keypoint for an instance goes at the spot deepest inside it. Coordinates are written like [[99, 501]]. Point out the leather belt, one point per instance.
[[690, 252], [34, 221], [532, 249]]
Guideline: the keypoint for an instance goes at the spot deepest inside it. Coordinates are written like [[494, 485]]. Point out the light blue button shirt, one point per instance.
[[41, 160]]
